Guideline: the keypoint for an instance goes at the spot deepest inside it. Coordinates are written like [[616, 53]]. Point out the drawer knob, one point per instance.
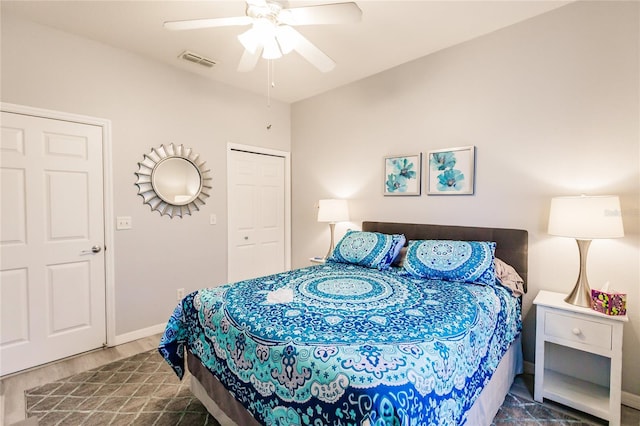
[[576, 331]]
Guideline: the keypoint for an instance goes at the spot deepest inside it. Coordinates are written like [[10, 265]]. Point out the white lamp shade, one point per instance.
[[333, 211], [271, 49], [250, 40], [286, 38], [586, 217]]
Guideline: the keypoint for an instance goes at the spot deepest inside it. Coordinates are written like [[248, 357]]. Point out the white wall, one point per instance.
[[149, 104], [551, 105]]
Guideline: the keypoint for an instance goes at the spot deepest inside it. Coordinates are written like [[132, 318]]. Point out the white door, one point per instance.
[[52, 265], [256, 207]]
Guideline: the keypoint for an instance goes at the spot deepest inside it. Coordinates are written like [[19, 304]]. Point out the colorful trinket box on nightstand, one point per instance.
[[609, 303]]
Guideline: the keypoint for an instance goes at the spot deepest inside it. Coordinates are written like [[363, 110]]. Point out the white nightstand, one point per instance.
[[578, 357], [317, 260]]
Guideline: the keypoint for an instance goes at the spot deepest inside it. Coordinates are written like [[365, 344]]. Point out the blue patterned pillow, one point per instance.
[[370, 249], [466, 261]]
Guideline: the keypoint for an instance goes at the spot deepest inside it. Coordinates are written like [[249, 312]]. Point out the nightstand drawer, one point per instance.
[[579, 330]]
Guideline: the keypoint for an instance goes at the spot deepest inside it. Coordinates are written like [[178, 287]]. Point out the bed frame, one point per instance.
[[511, 247]]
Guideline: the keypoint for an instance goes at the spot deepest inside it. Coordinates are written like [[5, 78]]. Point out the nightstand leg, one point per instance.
[[615, 385], [538, 384]]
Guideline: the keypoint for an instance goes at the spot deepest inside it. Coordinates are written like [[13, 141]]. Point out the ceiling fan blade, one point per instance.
[[249, 60], [336, 13], [194, 24], [309, 51]]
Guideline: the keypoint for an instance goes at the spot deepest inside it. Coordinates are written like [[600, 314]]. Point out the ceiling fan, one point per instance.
[[272, 34]]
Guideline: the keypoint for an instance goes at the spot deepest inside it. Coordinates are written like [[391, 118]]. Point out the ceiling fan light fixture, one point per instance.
[[264, 28], [250, 40], [271, 49], [286, 40]]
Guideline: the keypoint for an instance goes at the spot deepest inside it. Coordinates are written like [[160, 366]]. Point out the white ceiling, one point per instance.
[[391, 33]]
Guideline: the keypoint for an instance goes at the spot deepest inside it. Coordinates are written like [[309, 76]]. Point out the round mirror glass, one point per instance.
[[176, 181]]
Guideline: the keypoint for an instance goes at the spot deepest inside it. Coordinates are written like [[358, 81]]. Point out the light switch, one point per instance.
[[213, 219], [123, 222]]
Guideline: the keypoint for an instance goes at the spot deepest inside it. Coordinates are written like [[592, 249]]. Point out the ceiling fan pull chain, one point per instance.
[[270, 81], [273, 74], [268, 85]]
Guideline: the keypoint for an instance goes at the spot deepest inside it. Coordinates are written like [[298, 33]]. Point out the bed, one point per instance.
[[353, 343]]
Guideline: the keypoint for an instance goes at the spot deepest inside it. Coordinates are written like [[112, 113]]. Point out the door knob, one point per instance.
[[94, 249]]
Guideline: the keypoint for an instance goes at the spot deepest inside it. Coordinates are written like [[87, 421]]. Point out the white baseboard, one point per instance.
[[139, 334], [629, 399]]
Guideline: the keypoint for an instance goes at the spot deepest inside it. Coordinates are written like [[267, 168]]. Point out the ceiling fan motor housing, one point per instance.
[[268, 10]]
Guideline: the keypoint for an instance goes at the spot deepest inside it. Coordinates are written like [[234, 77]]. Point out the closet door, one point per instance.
[[52, 264], [256, 208]]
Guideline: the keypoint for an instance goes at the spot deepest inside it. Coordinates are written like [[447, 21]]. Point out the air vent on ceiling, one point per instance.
[[197, 59]]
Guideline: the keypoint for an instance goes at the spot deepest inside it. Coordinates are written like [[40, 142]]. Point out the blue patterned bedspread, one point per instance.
[[354, 346]]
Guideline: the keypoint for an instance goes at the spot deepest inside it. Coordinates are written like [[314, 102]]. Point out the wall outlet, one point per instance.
[[180, 294]]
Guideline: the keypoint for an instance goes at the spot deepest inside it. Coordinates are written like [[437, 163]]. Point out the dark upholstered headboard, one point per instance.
[[511, 244]]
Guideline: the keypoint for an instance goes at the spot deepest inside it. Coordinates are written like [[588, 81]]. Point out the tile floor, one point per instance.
[[139, 390], [12, 387], [522, 390]]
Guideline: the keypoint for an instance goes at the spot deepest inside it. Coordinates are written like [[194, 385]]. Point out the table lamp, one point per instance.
[[585, 218], [332, 211]]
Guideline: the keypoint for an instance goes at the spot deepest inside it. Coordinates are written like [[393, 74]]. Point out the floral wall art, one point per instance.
[[451, 171], [403, 175]]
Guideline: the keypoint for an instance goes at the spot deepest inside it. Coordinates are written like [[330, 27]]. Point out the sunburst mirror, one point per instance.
[[173, 180]]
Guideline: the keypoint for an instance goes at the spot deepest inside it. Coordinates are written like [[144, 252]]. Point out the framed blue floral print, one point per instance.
[[403, 174], [451, 171]]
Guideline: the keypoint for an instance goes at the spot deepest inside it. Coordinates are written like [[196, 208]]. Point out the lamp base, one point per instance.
[[581, 293], [332, 227]]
